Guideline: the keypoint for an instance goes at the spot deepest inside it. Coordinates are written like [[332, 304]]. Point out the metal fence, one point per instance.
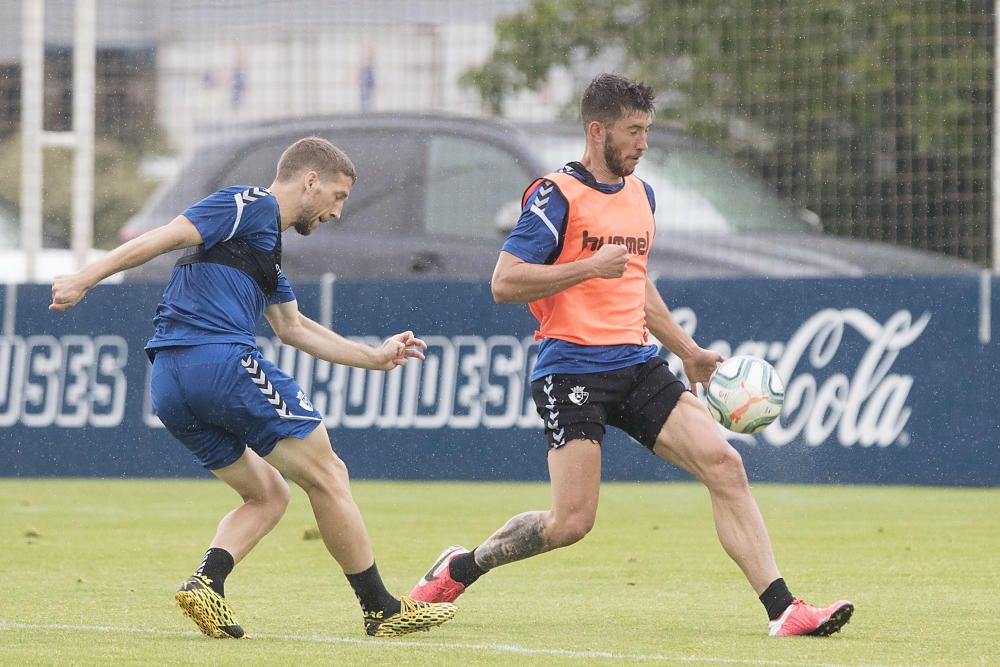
[[876, 115]]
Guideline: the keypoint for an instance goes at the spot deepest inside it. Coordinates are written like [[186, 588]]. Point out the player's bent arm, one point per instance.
[[698, 362], [297, 330], [517, 281], [67, 290]]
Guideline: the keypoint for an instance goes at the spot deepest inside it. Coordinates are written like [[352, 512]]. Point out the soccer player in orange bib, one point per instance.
[[577, 257]]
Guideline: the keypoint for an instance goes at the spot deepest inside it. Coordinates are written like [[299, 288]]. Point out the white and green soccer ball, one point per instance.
[[745, 394]]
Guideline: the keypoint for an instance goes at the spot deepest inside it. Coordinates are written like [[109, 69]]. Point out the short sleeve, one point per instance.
[[242, 212], [284, 292], [539, 230], [214, 217], [650, 196]]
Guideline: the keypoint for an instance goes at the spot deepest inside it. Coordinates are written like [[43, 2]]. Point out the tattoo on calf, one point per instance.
[[521, 537]]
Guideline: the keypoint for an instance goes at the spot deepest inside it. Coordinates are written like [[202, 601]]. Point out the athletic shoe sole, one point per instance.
[[208, 610], [837, 620]]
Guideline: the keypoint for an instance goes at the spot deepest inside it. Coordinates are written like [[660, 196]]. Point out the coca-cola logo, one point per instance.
[[863, 405]]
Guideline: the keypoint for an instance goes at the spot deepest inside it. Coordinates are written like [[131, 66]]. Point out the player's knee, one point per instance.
[[330, 476], [338, 471], [269, 496], [279, 494], [571, 528], [724, 471], [275, 494]]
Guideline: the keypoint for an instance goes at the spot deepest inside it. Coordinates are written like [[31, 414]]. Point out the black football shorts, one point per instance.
[[637, 399]]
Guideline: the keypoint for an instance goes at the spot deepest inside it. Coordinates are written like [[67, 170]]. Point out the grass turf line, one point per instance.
[[651, 580]]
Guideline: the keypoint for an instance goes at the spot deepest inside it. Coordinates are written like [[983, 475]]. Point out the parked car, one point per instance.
[[437, 194], [49, 262]]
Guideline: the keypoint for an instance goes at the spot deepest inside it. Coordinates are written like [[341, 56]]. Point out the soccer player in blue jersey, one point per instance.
[[577, 257], [240, 416]]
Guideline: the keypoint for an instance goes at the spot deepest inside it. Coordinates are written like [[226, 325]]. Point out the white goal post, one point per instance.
[[34, 137]]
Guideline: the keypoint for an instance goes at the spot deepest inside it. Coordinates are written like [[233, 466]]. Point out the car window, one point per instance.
[[471, 185], [695, 189], [381, 199], [700, 191]]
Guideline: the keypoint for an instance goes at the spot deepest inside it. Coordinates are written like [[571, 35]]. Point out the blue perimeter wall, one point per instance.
[[889, 380]]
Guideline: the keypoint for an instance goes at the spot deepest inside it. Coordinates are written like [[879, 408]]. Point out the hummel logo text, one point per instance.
[[635, 245]]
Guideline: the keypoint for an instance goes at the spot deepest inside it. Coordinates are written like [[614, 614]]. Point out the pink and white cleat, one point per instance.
[[802, 618], [437, 585]]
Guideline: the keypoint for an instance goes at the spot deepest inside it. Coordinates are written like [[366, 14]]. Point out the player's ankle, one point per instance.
[[776, 598], [372, 594], [464, 569], [215, 567]]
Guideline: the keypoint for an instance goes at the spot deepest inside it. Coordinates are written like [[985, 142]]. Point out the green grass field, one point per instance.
[[88, 570]]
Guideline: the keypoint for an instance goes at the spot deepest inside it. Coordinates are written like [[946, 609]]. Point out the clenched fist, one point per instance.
[[610, 261], [67, 291]]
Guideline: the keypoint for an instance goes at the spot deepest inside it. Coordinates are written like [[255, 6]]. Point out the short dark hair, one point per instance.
[[612, 96], [316, 154]]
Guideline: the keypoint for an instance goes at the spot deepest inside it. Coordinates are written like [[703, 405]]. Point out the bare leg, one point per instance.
[[691, 440], [265, 498], [575, 470], [312, 465]]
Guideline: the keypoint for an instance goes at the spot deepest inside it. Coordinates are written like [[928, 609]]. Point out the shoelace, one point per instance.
[[407, 604]]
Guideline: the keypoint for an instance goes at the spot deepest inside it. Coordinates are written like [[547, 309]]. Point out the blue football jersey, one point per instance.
[[213, 303]]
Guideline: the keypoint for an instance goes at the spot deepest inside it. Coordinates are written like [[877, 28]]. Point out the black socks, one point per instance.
[[216, 566], [776, 598], [371, 593], [464, 569]]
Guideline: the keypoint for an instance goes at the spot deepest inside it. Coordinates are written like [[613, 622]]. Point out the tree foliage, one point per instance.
[[837, 102]]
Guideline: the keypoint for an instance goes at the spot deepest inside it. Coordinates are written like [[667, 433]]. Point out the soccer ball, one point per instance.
[[745, 394]]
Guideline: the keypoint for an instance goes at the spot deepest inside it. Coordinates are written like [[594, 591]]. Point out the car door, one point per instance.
[[469, 201]]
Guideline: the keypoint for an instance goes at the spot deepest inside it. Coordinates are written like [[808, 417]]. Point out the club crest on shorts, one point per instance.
[[304, 401], [579, 395]]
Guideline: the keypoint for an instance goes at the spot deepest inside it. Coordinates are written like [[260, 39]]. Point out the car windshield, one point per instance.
[[696, 190]]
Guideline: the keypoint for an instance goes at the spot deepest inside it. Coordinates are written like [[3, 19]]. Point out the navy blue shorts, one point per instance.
[[221, 398]]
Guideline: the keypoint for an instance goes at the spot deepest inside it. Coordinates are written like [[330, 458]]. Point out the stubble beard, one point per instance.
[[615, 160], [303, 226]]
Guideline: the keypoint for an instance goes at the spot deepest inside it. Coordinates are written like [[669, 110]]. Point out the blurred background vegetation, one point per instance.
[[875, 115], [119, 192]]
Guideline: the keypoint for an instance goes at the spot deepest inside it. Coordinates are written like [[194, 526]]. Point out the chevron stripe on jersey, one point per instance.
[[253, 194], [243, 199], [270, 393], [542, 194], [541, 201]]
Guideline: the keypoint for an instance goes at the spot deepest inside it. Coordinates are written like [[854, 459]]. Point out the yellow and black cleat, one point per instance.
[[413, 616], [209, 610]]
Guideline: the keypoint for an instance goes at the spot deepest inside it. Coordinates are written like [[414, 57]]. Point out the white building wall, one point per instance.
[[417, 67], [297, 58]]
